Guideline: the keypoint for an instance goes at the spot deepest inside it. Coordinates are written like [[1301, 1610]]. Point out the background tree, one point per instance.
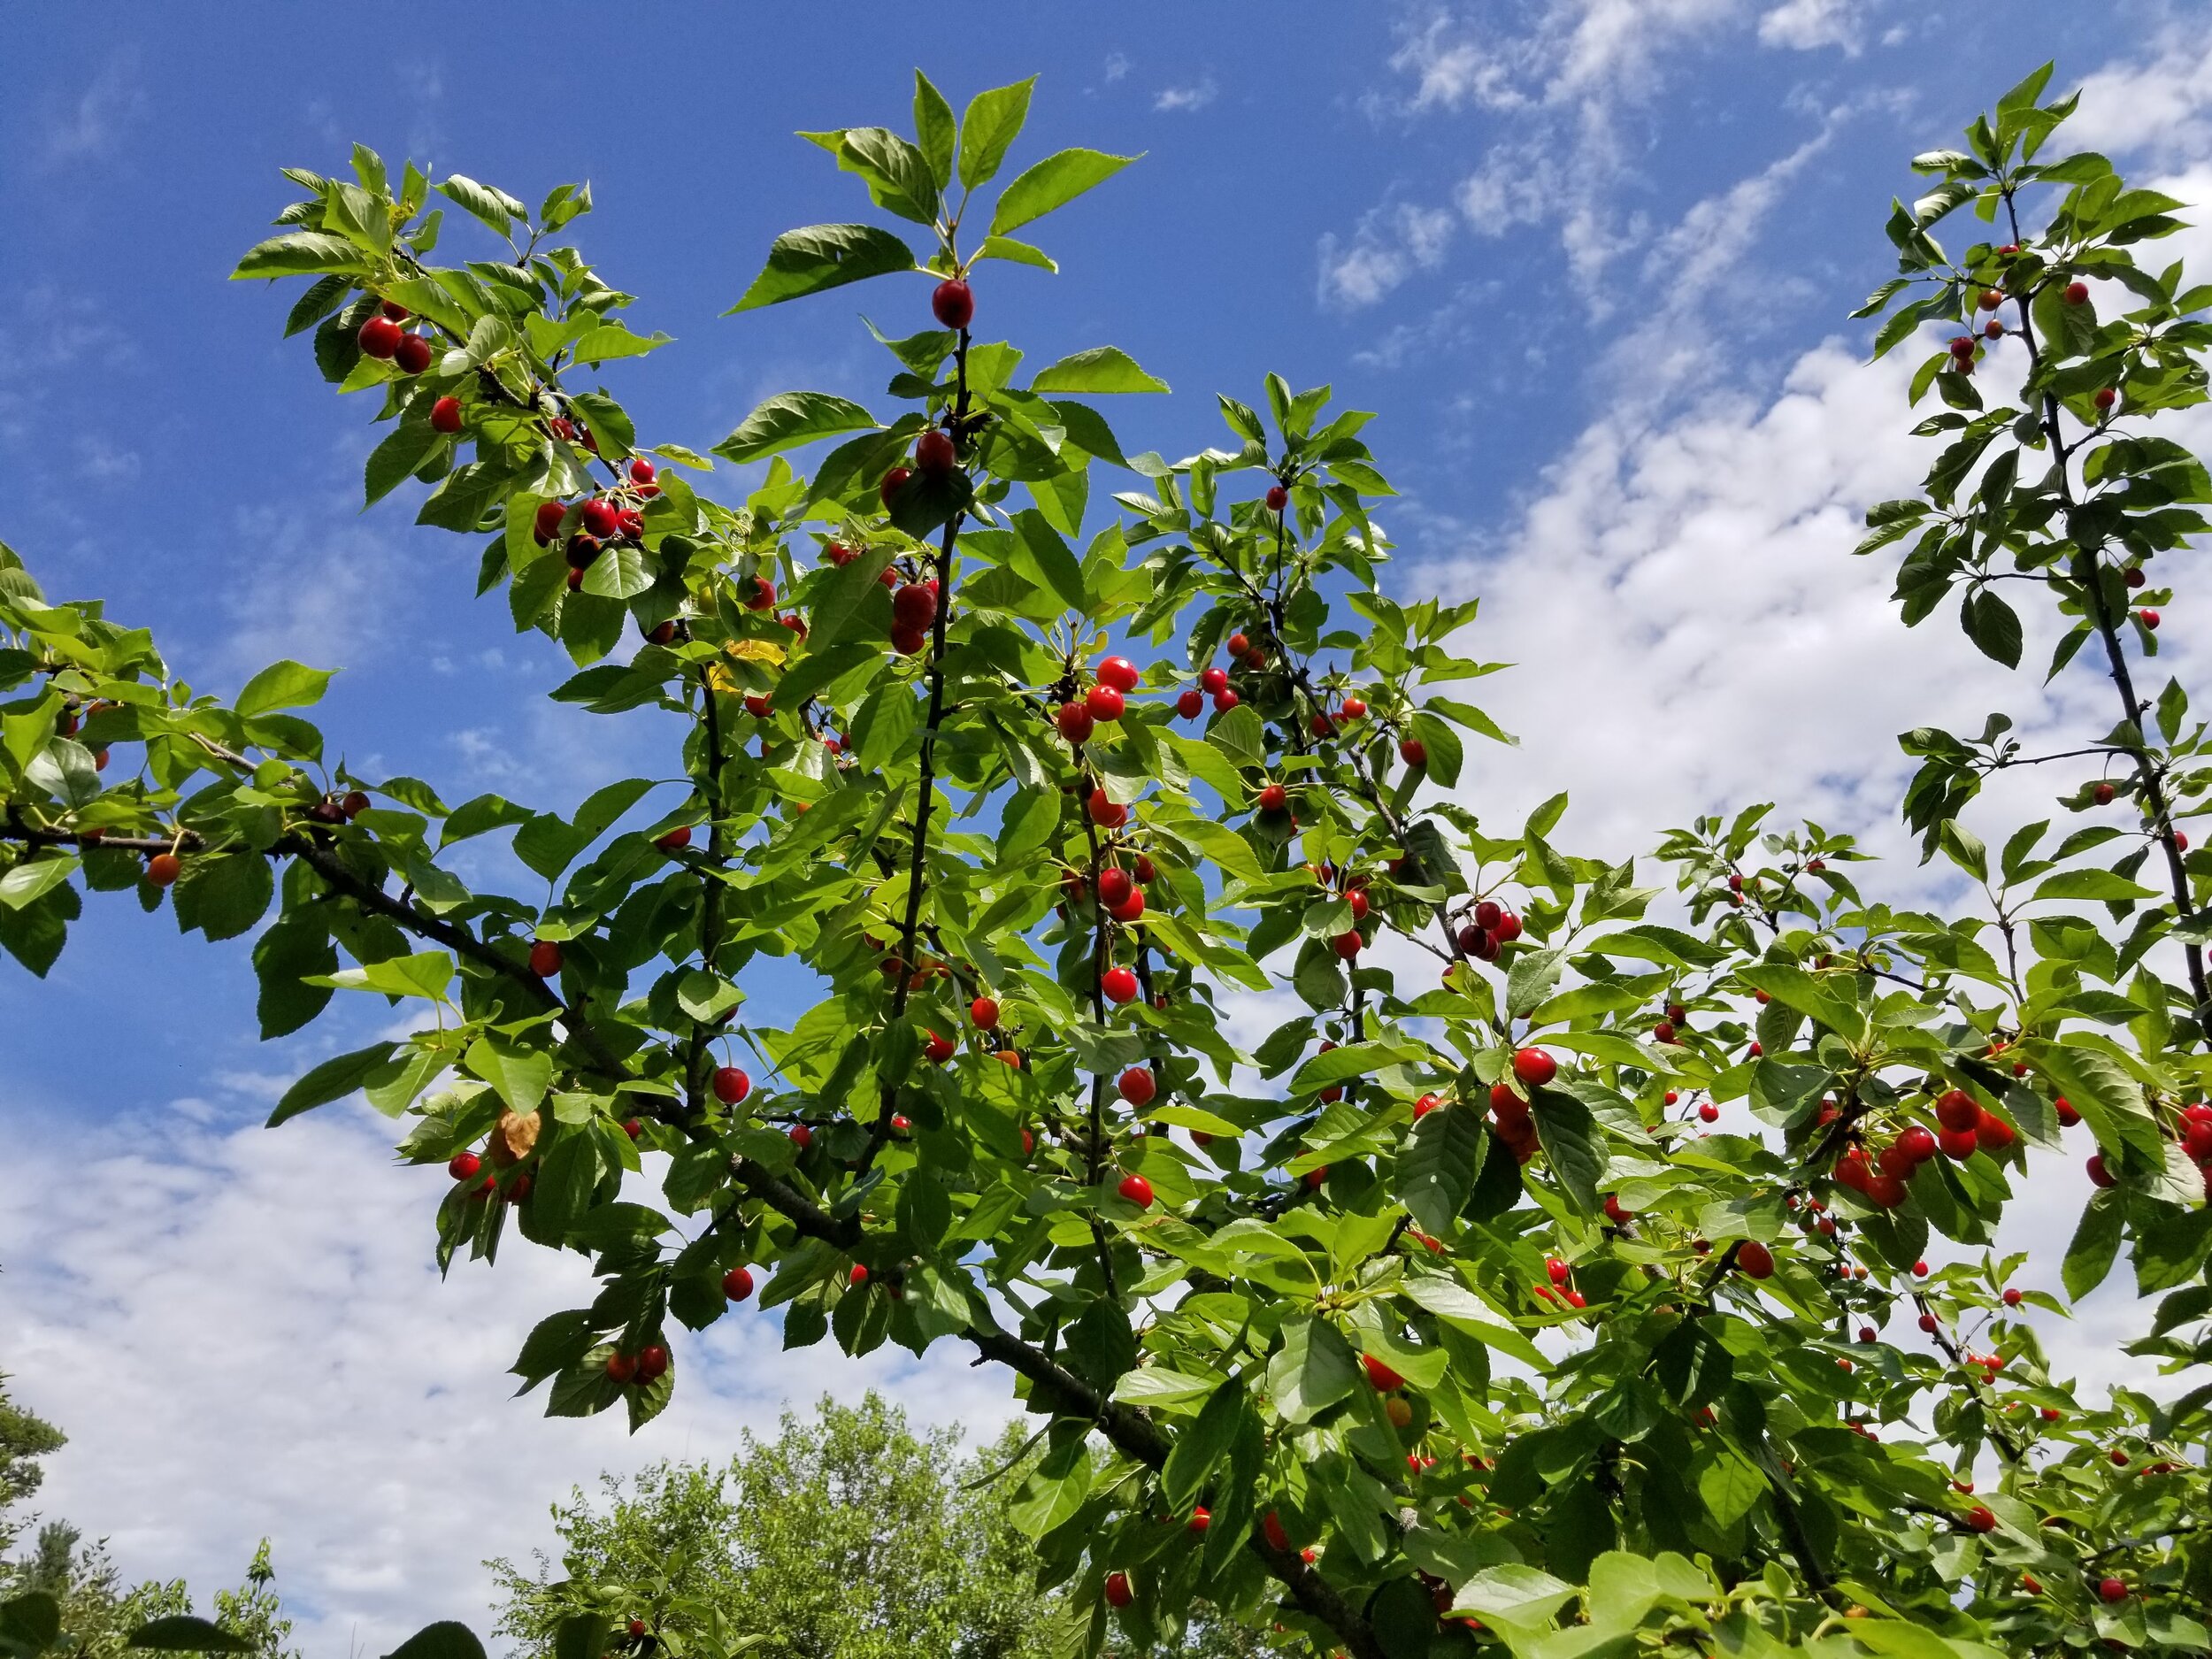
[[846, 1535], [1263, 1302]]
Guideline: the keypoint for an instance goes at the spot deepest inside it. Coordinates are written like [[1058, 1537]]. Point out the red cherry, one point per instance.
[[412, 356], [2099, 1176], [953, 303], [2135, 577], [1144, 873], [893, 482], [1225, 700], [933, 452], [1508, 930], [915, 605], [676, 840], [652, 1363], [801, 1136], [601, 517], [1189, 704], [1348, 945], [621, 1368], [545, 958], [1991, 299], [1107, 812], [1414, 752], [463, 1166], [1119, 673], [642, 471], [1239, 645], [1274, 798], [1115, 886], [2012, 1296], [1917, 1144], [1557, 1270], [1117, 1591], [2112, 1590], [2147, 618], [1277, 497], [858, 1276], [1137, 1085], [1755, 1259], [1119, 984], [163, 869], [380, 337], [1615, 1212], [580, 552], [983, 1012], [1920, 1270], [737, 1284], [937, 1048], [1534, 1067], [1956, 1109], [633, 1127], [2077, 292], [354, 804], [1201, 1518], [1271, 1525], [1104, 702], [1709, 1113], [445, 415], [1980, 1519], [907, 641], [1380, 1375], [1214, 679], [763, 594], [549, 521], [1137, 1190], [1993, 1132], [397, 312], [731, 1085], [1354, 709], [1074, 721], [1423, 1107], [2106, 397]]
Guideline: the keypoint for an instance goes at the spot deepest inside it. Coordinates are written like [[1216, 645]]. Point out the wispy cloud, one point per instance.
[[1196, 96], [94, 124], [1805, 25], [1390, 244], [1117, 66]]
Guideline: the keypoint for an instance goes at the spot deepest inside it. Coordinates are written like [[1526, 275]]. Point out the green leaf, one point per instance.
[[1993, 627], [1053, 183], [1312, 1371], [518, 1075], [1436, 1170], [1102, 369], [1054, 561], [1569, 1135], [1513, 1594], [224, 896], [2091, 884], [820, 257], [1199, 1449], [332, 1080], [302, 253], [2096, 1246], [286, 684], [989, 126], [30, 1624], [496, 208], [934, 125], [181, 1633], [406, 447]]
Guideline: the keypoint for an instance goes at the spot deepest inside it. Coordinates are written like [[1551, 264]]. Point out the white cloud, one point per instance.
[[1806, 24], [1117, 66], [96, 121], [243, 1332], [103, 462], [2160, 104], [1390, 245], [1196, 96]]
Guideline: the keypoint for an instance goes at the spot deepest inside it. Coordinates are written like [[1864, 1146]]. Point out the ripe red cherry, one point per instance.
[[1708, 1112], [1277, 498], [2012, 1296], [163, 869], [380, 337], [621, 1368], [907, 641], [737, 1284], [1423, 1107], [1379, 1375], [1962, 346], [1145, 870], [1357, 901], [893, 482], [652, 1363], [2112, 1590], [1074, 721], [633, 1127], [1534, 1067], [676, 840], [1615, 1211], [1557, 1270], [1107, 812], [915, 605], [1274, 798], [1958, 1145], [1354, 709], [1119, 673], [953, 303], [1201, 1518], [858, 1276], [1917, 1144], [397, 312], [1271, 1525], [1348, 945], [412, 355], [445, 415], [1119, 984], [1992, 1132], [545, 958], [763, 594], [933, 450], [1104, 702], [1137, 1190], [1755, 1259], [354, 804], [2106, 397], [1414, 752], [463, 1166], [1239, 644], [731, 1085], [983, 1012], [1137, 1085], [939, 1048], [1117, 1591], [2099, 1176], [601, 517], [1115, 886], [1214, 679], [1956, 1109], [549, 521], [801, 1136], [1189, 704], [1980, 1519], [1991, 299], [2077, 292], [1928, 1323], [1225, 700]]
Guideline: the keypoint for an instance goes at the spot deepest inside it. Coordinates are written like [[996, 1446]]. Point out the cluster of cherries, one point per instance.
[[1533, 1069], [1486, 929], [381, 337], [1105, 701], [599, 520]]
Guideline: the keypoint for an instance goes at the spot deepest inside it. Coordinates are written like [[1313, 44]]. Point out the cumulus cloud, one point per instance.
[[1806, 24], [1196, 96], [244, 1333], [1389, 246], [2158, 103]]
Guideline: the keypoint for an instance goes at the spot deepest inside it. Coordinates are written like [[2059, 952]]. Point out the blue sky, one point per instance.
[[1589, 259]]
